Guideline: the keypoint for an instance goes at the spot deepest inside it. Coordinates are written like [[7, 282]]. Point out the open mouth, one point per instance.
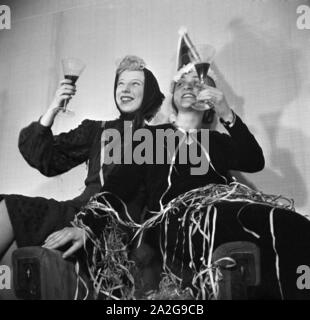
[[188, 95], [126, 99]]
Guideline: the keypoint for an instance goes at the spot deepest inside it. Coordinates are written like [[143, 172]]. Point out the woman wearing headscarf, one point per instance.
[[29, 220]]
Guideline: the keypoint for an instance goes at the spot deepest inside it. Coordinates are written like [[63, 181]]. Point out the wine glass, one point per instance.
[[72, 69], [202, 60]]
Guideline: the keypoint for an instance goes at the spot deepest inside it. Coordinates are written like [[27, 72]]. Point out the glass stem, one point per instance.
[[65, 106]]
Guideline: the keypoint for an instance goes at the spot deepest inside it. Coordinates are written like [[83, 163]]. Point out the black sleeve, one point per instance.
[[241, 150], [53, 155]]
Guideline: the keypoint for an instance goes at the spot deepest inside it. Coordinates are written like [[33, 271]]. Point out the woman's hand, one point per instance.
[[217, 98], [69, 234], [65, 92]]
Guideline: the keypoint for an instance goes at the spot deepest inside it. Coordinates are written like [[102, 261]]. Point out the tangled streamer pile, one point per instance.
[[112, 272], [170, 289], [198, 211], [109, 267], [213, 193]]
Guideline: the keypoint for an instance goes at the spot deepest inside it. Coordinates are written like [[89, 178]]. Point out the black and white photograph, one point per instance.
[[155, 150]]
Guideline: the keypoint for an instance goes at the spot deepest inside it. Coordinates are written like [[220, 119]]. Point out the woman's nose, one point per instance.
[[126, 88], [188, 85]]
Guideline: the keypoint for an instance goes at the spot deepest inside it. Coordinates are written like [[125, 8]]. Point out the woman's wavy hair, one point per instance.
[[152, 96]]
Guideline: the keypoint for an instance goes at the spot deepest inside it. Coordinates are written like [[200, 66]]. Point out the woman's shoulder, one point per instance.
[[91, 123], [217, 135], [101, 123], [114, 123]]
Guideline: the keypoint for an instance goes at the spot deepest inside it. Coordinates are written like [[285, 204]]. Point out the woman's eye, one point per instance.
[[136, 83], [120, 84]]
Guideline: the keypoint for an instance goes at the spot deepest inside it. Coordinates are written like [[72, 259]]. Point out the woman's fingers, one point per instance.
[[65, 97], [65, 92], [61, 91], [65, 81], [53, 235], [59, 242], [76, 246], [212, 91], [213, 97], [56, 235], [68, 86], [62, 237], [65, 89], [204, 97], [55, 239]]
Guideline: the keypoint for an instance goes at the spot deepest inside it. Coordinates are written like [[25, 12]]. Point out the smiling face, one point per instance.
[[186, 90], [130, 90]]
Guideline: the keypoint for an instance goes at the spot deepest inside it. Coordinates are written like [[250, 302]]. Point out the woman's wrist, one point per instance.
[[48, 117], [228, 115], [228, 119]]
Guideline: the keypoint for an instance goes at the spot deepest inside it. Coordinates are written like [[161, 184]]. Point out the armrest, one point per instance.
[[42, 274]]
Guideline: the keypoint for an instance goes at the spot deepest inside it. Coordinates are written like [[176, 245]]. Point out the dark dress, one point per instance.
[[239, 151], [34, 218]]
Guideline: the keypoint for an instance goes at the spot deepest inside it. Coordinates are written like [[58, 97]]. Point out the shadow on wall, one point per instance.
[[232, 97], [267, 63], [254, 52], [284, 175]]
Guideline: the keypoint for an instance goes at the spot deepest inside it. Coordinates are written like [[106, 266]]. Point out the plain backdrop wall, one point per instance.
[[262, 65]]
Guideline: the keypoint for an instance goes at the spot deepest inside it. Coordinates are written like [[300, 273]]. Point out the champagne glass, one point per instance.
[[202, 61], [72, 69]]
